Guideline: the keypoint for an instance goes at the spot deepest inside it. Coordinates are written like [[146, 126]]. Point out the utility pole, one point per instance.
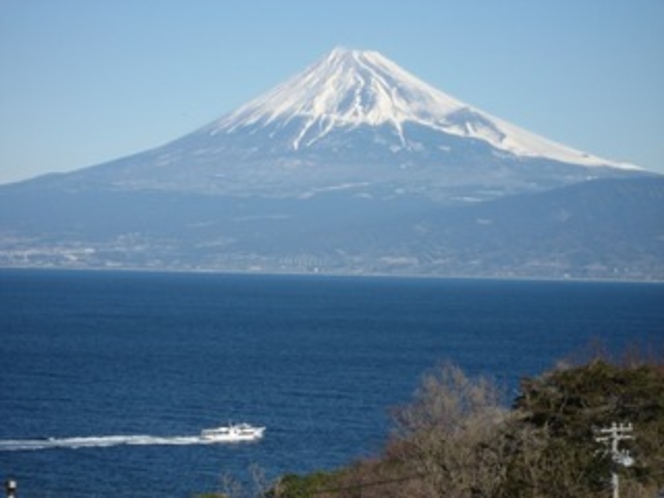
[[613, 435]]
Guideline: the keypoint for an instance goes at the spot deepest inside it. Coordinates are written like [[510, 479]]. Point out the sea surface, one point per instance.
[[107, 378]]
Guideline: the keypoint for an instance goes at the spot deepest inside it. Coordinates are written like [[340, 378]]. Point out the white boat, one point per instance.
[[233, 432]]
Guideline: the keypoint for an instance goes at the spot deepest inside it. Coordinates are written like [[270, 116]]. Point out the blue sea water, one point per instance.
[[320, 361]]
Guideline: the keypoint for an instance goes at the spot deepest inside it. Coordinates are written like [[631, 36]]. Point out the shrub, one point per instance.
[[456, 440]]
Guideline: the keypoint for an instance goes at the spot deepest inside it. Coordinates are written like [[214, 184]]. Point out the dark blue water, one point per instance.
[[319, 361]]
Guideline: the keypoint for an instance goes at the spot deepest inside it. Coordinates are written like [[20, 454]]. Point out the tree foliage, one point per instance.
[[456, 440], [572, 404]]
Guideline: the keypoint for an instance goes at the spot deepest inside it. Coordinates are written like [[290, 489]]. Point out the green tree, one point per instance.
[[570, 404]]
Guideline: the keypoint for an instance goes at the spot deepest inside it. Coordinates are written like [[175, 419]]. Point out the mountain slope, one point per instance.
[[600, 229], [352, 121], [353, 166], [349, 88]]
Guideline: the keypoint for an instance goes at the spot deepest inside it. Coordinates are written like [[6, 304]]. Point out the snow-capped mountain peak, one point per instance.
[[348, 88]]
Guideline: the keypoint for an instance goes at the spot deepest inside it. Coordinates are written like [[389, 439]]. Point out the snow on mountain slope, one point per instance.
[[348, 88], [352, 122]]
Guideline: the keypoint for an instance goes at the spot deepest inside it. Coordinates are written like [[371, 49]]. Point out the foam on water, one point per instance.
[[103, 442]]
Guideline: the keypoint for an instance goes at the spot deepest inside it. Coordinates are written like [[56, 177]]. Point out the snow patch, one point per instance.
[[348, 88]]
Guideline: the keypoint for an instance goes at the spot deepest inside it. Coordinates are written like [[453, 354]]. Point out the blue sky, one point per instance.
[[86, 81]]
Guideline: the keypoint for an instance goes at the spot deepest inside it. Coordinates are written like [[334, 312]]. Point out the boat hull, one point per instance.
[[233, 433]]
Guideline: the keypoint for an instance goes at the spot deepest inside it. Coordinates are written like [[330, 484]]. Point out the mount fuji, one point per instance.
[[298, 178], [350, 89], [356, 121]]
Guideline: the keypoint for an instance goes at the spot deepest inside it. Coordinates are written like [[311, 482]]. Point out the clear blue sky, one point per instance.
[[85, 81]]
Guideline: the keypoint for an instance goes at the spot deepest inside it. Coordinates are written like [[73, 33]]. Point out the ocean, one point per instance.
[[109, 377]]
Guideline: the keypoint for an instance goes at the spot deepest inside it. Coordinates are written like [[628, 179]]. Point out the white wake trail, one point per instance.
[[100, 442]]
